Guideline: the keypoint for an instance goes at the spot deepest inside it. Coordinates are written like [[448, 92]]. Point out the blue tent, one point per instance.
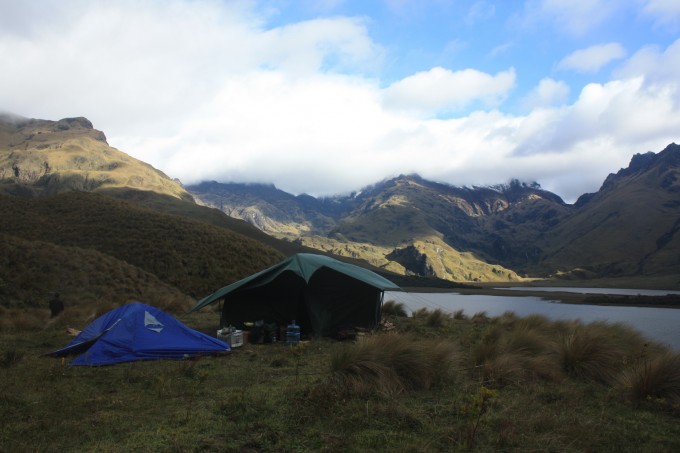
[[138, 331]]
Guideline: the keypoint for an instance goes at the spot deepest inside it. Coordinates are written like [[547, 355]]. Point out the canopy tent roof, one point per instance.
[[137, 331], [318, 291], [303, 265]]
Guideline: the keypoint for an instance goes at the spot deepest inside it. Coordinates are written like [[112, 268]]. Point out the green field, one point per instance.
[[433, 382]]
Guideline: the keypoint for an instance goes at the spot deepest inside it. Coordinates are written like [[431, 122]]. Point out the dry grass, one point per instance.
[[392, 364], [90, 247], [437, 318], [656, 377], [393, 308], [512, 349], [592, 352], [386, 393]]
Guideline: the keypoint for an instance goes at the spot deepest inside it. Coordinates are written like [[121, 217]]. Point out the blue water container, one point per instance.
[[292, 334]]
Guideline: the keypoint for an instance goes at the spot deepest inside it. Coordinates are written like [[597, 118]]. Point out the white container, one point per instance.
[[236, 339]]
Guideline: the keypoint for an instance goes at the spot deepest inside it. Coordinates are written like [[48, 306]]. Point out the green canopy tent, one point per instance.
[[321, 293]]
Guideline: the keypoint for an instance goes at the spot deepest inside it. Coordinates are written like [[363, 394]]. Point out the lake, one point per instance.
[[612, 291], [658, 324]]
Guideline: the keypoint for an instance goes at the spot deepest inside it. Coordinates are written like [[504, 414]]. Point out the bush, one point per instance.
[[592, 352], [510, 355], [392, 308], [437, 318], [391, 364], [421, 313], [657, 377], [459, 315]]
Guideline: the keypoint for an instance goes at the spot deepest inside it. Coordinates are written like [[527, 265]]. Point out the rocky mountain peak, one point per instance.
[[642, 162]]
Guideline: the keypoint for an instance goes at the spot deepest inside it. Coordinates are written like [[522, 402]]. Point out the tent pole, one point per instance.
[[378, 315]]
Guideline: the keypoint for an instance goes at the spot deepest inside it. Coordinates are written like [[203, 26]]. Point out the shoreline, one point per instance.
[[665, 301]]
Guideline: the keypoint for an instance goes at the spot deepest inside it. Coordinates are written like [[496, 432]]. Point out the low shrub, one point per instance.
[[392, 308], [437, 318], [506, 355], [480, 318], [391, 364], [421, 313], [591, 352], [656, 377], [459, 315]]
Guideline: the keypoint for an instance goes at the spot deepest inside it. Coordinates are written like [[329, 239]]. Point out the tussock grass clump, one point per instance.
[[391, 364], [437, 318], [421, 313], [459, 315], [480, 318], [592, 352], [656, 377], [507, 355], [393, 308]]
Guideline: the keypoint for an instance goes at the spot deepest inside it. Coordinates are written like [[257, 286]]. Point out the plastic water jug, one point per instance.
[[292, 333]]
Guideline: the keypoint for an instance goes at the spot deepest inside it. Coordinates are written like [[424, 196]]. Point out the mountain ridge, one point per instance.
[[406, 224], [515, 226]]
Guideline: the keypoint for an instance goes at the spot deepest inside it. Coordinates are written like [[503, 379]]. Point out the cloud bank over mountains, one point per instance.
[[238, 91]]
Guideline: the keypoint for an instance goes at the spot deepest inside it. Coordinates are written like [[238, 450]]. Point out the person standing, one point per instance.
[[56, 305]]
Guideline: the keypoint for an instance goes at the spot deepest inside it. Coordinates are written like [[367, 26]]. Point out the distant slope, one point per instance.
[[193, 256], [51, 157], [272, 210], [31, 271], [631, 226], [414, 226], [189, 209], [402, 225]]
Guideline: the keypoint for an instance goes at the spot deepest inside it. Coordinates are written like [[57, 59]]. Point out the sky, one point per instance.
[[325, 97]]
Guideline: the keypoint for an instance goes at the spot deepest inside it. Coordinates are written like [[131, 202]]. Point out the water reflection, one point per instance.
[[610, 291]]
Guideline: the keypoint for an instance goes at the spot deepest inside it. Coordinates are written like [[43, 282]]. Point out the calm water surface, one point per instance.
[[659, 324], [612, 291]]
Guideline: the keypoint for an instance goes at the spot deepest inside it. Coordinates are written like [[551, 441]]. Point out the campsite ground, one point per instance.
[[325, 396]]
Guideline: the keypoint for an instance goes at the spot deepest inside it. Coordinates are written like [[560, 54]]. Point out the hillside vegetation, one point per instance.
[[429, 257], [56, 156], [630, 227], [194, 257], [31, 271]]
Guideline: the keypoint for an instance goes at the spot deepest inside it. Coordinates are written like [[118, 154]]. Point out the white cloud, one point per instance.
[[575, 17], [501, 49], [205, 90], [481, 10], [329, 44], [547, 93], [593, 58], [665, 11], [440, 90], [654, 65]]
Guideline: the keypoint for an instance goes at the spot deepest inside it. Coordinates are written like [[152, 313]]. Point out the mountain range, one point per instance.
[[412, 225], [65, 192]]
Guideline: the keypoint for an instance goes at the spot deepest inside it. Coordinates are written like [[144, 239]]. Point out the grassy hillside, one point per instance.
[[407, 224], [190, 210], [31, 271], [57, 156], [427, 257], [630, 227], [192, 256], [432, 383]]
